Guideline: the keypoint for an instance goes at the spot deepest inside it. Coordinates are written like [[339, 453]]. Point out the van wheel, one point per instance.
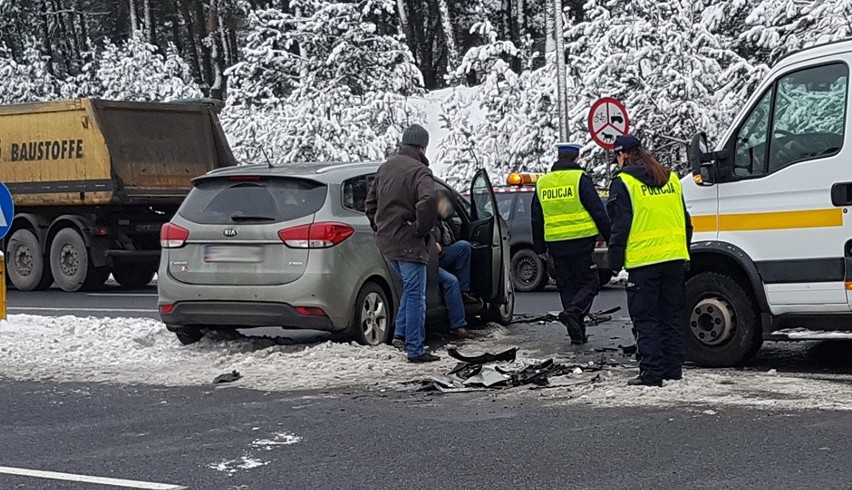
[[721, 319], [25, 264], [71, 264], [529, 272], [133, 276], [372, 321]]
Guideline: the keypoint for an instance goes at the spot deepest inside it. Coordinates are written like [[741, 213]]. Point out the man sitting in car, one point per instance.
[[454, 271]]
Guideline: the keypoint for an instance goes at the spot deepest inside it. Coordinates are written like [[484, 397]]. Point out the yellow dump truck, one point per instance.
[[94, 180]]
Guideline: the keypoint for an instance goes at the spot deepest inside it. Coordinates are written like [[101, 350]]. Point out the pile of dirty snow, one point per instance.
[[134, 350]]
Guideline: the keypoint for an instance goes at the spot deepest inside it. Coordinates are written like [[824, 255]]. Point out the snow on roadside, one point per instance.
[[129, 350], [716, 387], [132, 350]]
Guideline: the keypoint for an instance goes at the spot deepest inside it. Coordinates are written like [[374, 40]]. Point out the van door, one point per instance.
[[490, 253], [775, 199]]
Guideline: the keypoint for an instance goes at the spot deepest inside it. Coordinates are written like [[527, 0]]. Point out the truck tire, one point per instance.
[[722, 321], [133, 276], [71, 263], [529, 272], [25, 263]]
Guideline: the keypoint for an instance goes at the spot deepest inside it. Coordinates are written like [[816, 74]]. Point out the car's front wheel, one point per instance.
[[722, 321], [372, 321]]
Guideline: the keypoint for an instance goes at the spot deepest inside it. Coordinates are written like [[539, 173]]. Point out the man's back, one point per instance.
[[402, 206]]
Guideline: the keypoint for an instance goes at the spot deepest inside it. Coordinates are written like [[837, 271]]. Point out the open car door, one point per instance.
[[489, 236]]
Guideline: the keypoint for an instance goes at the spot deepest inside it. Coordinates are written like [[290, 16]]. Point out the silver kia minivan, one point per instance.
[[260, 246]]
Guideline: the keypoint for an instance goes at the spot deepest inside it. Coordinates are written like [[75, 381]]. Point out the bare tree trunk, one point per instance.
[[405, 25], [134, 24], [192, 53], [449, 36], [149, 27], [47, 46], [214, 25], [206, 64]]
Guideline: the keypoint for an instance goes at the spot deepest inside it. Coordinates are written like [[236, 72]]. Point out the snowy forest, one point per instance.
[[339, 80]]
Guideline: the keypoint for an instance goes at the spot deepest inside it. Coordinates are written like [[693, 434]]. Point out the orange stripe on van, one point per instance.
[[782, 220]]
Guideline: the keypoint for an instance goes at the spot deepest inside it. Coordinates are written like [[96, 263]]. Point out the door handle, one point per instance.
[[841, 194]]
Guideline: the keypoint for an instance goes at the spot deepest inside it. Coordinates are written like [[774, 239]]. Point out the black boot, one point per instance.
[[575, 329], [424, 357], [640, 381]]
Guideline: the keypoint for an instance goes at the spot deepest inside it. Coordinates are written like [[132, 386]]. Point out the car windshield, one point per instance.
[[224, 201]]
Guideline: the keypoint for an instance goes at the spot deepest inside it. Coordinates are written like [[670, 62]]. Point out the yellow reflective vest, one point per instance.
[[658, 230], [565, 218]]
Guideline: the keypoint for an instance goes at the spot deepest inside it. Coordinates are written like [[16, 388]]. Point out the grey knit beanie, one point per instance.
[[416, 135]]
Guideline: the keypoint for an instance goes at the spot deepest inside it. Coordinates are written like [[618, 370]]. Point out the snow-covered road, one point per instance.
[[126, 350]]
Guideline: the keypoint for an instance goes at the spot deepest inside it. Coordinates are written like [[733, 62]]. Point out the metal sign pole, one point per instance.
[[561, 82]]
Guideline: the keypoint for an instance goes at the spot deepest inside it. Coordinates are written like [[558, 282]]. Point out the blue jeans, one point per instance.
[[453, 298], [455, 259], [411, 317]]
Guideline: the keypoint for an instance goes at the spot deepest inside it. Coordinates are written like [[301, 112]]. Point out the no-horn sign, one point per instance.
[[608, 119]]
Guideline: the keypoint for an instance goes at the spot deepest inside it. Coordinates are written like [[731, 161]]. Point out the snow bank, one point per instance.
[[716, 388], [126, 350], [131, 350]]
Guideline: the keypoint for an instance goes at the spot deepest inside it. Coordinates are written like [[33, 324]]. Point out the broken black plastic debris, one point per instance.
[[505, 356], [628, 349], [227, 377]]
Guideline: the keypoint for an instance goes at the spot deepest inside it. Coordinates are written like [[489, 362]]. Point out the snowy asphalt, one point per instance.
[[200, 437], [203, 437]]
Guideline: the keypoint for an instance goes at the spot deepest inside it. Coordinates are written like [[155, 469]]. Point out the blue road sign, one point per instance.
[[7, 206]]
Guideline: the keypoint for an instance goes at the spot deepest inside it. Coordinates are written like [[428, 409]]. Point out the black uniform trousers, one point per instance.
[[655, 298], [578, 282]]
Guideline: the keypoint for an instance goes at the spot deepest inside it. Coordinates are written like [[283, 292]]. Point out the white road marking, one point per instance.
[[52, 475], [96, 310], [125, 295]]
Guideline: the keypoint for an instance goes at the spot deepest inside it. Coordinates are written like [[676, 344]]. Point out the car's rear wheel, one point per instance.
[[529, 272], [134, 276], [721, 319], [25, 264], [187, 335], [372, 321]]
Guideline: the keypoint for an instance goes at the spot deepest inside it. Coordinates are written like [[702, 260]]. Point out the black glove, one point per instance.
[[616, 258]]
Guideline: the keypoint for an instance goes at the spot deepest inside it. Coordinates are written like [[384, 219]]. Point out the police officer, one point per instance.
[[651, 231], [567, 217]]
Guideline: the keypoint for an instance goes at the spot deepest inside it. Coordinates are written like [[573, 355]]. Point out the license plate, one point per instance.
[[233, 253]]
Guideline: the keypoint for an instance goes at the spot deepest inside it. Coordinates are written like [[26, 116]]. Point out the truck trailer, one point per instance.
[[94, 180]]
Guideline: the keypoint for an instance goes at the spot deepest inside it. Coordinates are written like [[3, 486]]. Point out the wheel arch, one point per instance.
[[728, 259], [33, 223]]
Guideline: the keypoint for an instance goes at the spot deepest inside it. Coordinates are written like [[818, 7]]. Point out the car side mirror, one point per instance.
[[701, 160]]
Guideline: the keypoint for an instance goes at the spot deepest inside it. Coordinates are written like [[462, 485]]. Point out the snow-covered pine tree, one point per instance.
[[28, 81], [327, 81]]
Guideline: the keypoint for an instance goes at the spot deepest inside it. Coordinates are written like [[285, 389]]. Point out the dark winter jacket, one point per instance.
[[591, 201], [443, 233], [402, 206], [620, 210]]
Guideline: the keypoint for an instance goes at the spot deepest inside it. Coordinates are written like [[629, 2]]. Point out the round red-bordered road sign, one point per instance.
[[608, 119]]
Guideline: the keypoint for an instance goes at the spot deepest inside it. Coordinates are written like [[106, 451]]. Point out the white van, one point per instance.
[[772, 250]]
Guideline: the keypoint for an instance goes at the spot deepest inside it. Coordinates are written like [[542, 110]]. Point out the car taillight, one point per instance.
[[167, 308], [310, 311], [317, 235], [173, 236]]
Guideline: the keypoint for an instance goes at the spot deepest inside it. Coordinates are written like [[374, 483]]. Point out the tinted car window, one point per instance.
[[221, 201], [355, 192]]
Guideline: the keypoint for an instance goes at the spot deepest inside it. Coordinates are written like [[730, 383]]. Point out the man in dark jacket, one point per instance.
[[402, 207], [565, 227]]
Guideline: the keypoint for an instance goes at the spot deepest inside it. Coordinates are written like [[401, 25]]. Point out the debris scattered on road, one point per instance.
[[505, 356], [628, 350], [227, 377]]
